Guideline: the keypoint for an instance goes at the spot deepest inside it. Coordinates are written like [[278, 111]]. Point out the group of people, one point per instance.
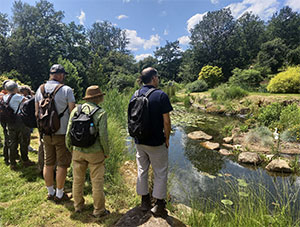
[[59, 150]]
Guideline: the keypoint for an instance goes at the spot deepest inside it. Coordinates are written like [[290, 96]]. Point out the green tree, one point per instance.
[[250, 34], [272, 54], [5, 64], [72, 79], [285, 25], [108, 36], [37, 31], [212, 75], [186, 70], [213, 41], [293, 56], [147, 62], [169, 59]]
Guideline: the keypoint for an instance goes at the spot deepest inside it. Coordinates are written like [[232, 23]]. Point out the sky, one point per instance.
[[150, 23]]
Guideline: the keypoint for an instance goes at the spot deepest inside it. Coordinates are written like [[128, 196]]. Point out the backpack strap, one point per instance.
[[9, 98], [62, 113], [59, 86], [148, 93], [94, 111]]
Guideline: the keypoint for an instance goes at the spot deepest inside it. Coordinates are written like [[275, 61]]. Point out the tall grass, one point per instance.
[[225, 92], [244, 204]]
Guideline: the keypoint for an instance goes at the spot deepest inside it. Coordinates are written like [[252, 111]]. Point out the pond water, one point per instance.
[[197, 173]]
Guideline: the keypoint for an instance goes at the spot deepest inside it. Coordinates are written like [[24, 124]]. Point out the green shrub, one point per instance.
[[260, 135], [286, 82], [246, 79], [270, 114], [186, 101], [292, 134], [197, 86], [211, 75], [225, 92], [290, 116], [121, 81]]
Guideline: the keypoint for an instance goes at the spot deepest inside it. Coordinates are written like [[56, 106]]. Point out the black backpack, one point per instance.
[[7, 114], [27, 113], [83, 132], [138, 115]]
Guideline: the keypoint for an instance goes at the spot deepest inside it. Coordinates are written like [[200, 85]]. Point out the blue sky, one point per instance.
[[149, 23]]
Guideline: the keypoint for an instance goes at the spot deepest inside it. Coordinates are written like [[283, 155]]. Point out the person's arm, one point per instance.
[[68, 137], [36, 109], [103, 134], [167, 127], [71, 106]]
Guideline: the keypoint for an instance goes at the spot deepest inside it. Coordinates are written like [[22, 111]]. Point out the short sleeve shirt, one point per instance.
[[15, 101], [63, 97], [159, 104]]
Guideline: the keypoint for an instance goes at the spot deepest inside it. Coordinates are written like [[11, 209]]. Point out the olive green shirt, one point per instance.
[[100, 122]]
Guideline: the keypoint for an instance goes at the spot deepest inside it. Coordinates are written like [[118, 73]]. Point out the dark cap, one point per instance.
[[57, 68]]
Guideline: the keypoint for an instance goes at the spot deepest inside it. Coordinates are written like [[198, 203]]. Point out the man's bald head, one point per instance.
[[147, 74]]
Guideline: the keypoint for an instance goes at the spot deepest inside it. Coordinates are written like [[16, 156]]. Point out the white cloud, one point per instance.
[[166, 32], [184, 40], [122, 16], [163, 13], [294, 4], [142, 56], [153, 29], [194, 20], [264, 9], [81, 17], [153, 41], [136, 42], [215, 2], [126, 1]]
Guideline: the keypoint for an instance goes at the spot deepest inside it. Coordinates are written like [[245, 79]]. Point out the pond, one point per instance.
[[196, 173]]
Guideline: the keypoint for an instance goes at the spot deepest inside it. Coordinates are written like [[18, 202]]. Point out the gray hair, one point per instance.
[[11, 86]]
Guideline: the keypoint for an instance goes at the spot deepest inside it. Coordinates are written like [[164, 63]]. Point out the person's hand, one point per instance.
[[167, 143]]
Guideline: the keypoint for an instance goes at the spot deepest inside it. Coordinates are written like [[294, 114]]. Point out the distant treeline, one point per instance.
[[35, 37]]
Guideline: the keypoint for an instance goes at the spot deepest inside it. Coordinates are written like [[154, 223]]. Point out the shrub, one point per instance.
[[246, 79], [121, 81], [211, 75], [290, 116], [261, 135], [197, 86], [225, 92], [286, 82], [12, 75], [270, 114], [292, 134]]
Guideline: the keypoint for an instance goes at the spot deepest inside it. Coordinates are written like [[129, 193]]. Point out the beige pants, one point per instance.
[[95, 162]]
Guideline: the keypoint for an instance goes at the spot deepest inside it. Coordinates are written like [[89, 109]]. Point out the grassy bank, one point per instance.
[[23, 194]]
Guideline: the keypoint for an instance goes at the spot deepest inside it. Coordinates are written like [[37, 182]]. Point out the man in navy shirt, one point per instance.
[[154, 149]]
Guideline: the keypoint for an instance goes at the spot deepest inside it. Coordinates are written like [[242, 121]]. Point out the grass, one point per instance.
[[23, 193]]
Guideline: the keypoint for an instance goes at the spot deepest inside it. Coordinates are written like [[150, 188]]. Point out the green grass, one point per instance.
[[23, 192]]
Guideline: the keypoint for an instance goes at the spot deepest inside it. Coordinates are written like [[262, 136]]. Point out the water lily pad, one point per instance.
[[242, 183], [243, 194], [227, 202]]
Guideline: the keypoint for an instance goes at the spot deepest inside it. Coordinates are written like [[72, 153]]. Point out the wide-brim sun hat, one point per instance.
[[93, 92]]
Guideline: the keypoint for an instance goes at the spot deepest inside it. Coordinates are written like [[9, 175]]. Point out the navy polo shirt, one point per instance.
[[159, 104]]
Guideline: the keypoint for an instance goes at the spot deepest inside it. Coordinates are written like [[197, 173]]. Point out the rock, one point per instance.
[[279, 165], [244, 111], [249, 158], [199, 135], [237, 147], [136, 217], [210, 145], [225, 152], [229, 146], [228, 139]]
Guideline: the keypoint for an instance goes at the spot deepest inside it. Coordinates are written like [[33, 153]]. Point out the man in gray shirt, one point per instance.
[[55, 148]]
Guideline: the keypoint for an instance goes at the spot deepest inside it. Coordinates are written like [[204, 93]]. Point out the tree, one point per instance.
[[272, 54], [186, 70], [286, 26], [250, 34], [169, 59], [293, 56], [212, 75], [5, 64], [213, 41], [147, 62], [37, 32], [109, 37], [72, 79]]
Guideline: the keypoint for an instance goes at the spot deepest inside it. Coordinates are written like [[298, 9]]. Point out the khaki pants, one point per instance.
[[95, 162]]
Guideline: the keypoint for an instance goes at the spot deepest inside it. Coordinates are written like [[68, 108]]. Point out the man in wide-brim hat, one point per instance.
[[91, 157]]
